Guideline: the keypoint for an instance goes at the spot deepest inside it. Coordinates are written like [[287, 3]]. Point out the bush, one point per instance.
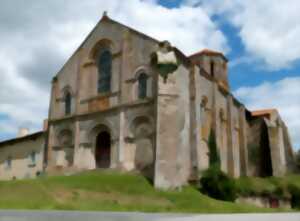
[[214, 158], [295, 192], [297, 159], [218, 185]]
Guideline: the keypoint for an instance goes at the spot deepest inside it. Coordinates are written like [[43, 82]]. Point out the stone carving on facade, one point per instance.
[[165, 60]]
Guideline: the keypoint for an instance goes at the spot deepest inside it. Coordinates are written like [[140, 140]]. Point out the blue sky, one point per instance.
[[260, 40]]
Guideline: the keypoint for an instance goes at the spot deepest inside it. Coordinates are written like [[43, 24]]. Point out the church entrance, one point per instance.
[[102, 151]]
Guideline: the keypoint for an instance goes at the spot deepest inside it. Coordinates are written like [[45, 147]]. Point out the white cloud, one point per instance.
[[283, 95], [37, 37], [269, 30]]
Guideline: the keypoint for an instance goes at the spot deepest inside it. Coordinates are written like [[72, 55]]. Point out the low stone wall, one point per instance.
[[265, 202]]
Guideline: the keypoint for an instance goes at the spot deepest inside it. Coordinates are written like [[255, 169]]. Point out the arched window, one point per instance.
[[142, 87], [68, 103], [104, 69]]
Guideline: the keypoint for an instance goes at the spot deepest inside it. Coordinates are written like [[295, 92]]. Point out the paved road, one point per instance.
[[107, 216]]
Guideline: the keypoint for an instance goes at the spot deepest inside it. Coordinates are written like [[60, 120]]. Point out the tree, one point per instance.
[[214, 158]]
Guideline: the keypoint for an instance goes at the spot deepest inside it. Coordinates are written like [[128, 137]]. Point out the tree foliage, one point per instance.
[[214, 158], [214, 182]]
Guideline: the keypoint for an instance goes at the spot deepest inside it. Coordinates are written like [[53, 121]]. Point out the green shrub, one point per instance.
[[297, 159], [295, 192], [218, 185], [214, 158]]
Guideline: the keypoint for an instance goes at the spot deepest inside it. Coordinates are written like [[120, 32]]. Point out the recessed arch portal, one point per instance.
[[103, 150], [143, 157]]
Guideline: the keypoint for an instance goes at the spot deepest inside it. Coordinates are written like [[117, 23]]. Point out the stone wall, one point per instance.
[[265, 202], [164, 135], [173, 159], [204, 115], [217, 110], [116, 110]]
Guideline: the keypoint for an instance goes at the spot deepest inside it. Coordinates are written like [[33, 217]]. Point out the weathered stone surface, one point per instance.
[[164, 133], [265, 202]]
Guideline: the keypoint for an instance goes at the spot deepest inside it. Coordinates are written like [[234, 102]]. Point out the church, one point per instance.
[[128, 102]]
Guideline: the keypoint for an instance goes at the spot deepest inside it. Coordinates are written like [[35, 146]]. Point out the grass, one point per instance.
[[109, 191]]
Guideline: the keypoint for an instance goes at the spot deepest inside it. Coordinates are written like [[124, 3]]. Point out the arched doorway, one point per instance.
[[102, 151]]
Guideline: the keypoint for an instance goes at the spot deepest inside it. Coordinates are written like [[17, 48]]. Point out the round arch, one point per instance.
[[102, 142], [67, 89], [138, 120], [143, 157], [100, 45]]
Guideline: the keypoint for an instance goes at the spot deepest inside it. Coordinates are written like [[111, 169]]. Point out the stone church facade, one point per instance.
[[126, 101]]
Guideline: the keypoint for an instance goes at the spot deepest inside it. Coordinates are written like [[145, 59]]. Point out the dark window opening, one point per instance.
[[104, 71], [9, 162], [142, 90], [68, 100], [212, 69]]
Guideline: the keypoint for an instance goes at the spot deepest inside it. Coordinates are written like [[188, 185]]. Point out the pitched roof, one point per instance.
[[208, 52], [106, 18], [20, 139]]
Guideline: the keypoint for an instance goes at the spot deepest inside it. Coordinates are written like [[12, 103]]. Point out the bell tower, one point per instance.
[[213, 63]]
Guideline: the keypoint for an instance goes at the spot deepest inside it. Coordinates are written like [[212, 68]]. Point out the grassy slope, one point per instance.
[[108, 191], [268, 186]]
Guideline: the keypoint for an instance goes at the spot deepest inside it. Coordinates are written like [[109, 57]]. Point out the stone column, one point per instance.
[[77, 141], [230, 128], [50, 144], [167, 135], [244, 171], [195, 124], [126, 67], [277, 149], [121, 153]]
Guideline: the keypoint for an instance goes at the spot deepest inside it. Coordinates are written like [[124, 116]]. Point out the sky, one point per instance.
[[261, 41]]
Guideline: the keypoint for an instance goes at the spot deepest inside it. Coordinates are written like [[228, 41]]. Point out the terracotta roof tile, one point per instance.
[[264, 112], [208, 52]]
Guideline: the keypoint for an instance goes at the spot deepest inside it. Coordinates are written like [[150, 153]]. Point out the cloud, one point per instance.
[[269, 30], [283, 95], [37, 37]]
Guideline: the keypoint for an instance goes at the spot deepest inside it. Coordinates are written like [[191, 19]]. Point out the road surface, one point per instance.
[[9, 215]]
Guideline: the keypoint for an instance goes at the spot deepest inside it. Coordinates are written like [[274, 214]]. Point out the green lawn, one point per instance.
[[109, 191]]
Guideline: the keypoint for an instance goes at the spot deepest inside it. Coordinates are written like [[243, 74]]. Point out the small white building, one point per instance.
[[22, 157]]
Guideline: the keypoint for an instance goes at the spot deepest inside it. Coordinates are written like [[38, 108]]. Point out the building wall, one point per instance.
[[131, 55], [235, 133], [204, 115], [173, 149], [217, 111], [222, 119], [116, 111], [165, 136], [21, 163]]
